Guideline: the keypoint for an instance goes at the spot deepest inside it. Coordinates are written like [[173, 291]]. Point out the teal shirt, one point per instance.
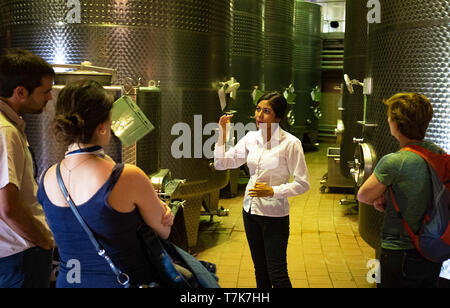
[[408, 174]]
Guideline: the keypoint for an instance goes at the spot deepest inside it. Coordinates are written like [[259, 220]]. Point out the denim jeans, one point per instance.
[[407, 269], [27, 269], [268, 239]]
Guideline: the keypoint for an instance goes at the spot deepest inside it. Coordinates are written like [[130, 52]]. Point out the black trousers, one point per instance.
[[407, 269], [444, 283], [268, 239]]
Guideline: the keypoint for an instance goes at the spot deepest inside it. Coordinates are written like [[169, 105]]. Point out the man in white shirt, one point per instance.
[[26, 242]]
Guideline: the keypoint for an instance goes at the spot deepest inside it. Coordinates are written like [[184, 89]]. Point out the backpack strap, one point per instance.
[[414, 237], [439, 162]]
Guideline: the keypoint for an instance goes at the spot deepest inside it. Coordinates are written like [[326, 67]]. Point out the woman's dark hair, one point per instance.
[[80, 108], [277, 102]]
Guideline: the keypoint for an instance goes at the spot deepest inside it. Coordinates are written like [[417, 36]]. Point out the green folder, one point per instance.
[[129, 123]]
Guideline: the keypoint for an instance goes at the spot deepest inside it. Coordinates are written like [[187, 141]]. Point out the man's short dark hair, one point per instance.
[[22, 68]]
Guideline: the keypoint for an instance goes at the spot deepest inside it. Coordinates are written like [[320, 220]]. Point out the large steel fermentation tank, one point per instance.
[[409, 51], [247, 55], [307, 71], [149, 100], [355, 45], [278, 44], [183, 44]]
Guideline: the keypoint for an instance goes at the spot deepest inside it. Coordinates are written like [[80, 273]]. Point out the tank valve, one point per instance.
[[211, 166]]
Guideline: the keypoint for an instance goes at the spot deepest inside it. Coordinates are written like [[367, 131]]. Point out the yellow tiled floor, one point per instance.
[[325, 249]]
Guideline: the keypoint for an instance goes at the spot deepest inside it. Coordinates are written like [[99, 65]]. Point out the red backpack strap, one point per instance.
[[439, 162], [412, 235]]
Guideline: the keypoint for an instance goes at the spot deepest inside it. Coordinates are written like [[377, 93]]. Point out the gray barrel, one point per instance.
[[355, 45], [306, 64], [247, 55], [279, 42], [409, 51]]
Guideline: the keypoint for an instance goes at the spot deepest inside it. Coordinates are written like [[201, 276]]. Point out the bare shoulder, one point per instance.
[[133, 177], [128, 189], [48, 175], [131, 189], [133, 172]]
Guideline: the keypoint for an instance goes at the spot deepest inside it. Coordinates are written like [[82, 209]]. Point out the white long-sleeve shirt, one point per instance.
[[274, 167]]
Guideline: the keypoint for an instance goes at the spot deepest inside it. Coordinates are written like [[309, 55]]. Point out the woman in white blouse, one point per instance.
[[273, 156]]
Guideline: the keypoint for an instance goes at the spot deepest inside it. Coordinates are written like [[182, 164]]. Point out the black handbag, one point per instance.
[[175, 267], [171, 266], [170, 269]]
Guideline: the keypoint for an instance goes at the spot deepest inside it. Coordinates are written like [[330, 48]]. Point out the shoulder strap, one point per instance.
[[439, 162], [100, 250], [411, 234], [114, 177]]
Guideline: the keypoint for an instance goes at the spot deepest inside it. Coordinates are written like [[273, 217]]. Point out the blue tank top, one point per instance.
[[80, 265]]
